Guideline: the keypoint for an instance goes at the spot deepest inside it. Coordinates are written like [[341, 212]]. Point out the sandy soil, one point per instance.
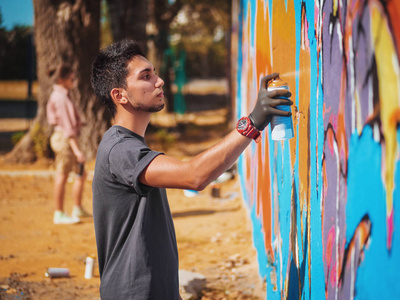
[[214, 236]]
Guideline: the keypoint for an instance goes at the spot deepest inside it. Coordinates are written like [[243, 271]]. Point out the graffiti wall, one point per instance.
[[324, 205]]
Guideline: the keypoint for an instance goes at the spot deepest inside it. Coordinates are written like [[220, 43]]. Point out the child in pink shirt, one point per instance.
[[63, 115]]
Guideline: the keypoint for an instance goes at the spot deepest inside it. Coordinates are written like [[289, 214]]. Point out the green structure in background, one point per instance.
[[180, 80], [175, 62]]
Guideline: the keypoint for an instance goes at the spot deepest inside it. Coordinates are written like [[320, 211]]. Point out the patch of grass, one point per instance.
[[165, 138], [40, 140], [16, 137]]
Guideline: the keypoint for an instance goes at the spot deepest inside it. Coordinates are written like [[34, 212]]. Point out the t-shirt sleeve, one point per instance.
[[127, 161]]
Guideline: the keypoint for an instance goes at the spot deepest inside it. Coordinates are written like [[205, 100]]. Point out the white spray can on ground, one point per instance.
[[57, 272], [281, 126], [89, 267]]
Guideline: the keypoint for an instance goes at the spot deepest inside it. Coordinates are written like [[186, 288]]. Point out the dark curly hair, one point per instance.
[[110, 69]]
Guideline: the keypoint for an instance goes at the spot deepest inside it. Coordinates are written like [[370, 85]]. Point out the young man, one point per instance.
[[135, 235]]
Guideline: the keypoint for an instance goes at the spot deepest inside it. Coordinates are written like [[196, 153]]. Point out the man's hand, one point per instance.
[[266, 102]]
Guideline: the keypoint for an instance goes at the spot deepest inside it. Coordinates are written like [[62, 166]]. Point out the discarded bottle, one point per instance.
[[281, 126], [57, 272]]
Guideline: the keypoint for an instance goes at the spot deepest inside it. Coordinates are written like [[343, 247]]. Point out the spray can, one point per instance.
[[89, 267], [215, 191], [57, 272], [281, 126], [80, 168]]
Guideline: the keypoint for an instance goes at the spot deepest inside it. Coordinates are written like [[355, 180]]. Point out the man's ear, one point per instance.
[[118, 95]]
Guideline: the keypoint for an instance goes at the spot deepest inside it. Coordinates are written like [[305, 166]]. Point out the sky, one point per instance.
[[16, 12]]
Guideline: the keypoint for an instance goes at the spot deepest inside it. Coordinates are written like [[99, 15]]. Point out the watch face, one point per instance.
[[242, 124]]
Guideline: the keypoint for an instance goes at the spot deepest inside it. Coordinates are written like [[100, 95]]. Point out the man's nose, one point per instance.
[[159, 82]]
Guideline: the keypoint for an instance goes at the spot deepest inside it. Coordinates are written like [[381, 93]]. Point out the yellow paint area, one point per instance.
[[389, 91]]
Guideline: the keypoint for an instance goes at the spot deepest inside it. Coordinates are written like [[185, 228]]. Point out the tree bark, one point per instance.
[[65, 31], [128, 19]]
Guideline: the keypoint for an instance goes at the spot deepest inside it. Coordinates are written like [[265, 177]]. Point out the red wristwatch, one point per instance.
[[246, 128]]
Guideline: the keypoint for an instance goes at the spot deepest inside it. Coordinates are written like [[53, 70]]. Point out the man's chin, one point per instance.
[[151, 109], [156, 108]]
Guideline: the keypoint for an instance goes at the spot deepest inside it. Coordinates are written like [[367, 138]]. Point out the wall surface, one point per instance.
[[324, 205]]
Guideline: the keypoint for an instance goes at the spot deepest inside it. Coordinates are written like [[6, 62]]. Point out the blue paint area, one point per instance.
[[283, 180], [378, 273], [252, 15], [317, 282], [317, 288], [364, 182], [258, 239], [293, 292], [257, 230]]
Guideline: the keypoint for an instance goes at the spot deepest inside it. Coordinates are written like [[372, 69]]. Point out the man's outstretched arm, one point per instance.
[[197, 173]]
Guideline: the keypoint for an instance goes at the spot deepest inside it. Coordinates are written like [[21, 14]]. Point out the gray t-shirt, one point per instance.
[[135, 235]]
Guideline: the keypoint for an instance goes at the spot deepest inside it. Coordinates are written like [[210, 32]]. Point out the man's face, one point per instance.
[[144, 87]]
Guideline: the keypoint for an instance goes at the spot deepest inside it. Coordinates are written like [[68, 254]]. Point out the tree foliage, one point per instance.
[[202, 29], [16, 52], [70, 30], [196, 35], [105, 26]]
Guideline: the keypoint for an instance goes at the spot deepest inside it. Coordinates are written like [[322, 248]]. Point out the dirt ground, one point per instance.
[[213, 234]]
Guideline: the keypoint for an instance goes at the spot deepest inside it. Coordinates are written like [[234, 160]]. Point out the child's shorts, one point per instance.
[[65, 158]]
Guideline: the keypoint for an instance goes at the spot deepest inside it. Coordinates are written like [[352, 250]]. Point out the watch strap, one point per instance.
[[249, 131], [252, 133]]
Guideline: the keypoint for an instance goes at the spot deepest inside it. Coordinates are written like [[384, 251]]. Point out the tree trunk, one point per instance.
[[128, 19], [65, 31]]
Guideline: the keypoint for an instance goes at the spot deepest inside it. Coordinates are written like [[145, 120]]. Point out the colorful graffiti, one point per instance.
[[325, 204]]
